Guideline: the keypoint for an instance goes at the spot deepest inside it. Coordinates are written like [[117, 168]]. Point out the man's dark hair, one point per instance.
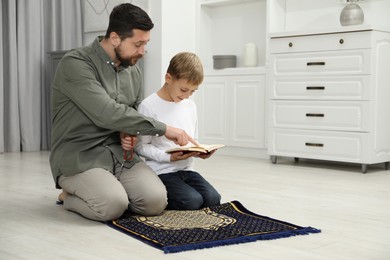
[[126, 17]]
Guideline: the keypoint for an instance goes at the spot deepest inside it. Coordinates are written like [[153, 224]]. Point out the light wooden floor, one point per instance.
[[352, 210]]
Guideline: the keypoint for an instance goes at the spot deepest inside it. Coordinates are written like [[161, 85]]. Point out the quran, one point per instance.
[[202, 148]]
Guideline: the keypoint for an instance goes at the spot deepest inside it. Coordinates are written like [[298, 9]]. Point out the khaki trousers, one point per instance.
[[99, 195]]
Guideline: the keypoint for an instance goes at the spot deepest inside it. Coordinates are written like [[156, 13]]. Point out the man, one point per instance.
[[96, 92]]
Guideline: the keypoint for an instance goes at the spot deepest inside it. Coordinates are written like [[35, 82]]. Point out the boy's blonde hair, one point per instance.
[[186, 65]]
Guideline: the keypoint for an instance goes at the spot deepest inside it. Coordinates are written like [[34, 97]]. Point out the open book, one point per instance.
[[202, 148]]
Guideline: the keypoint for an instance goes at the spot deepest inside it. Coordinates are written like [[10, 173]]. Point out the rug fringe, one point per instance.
[[240, 240]]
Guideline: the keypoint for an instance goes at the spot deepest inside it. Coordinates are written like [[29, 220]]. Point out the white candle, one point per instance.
[[250, 59]]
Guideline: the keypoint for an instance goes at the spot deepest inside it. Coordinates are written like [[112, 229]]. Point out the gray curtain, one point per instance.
[[29, 30]]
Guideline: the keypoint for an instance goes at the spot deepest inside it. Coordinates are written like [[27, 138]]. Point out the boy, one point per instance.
[[187, 189]]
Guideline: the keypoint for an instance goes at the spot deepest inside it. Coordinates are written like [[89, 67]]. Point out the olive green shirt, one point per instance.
[[91, 103]]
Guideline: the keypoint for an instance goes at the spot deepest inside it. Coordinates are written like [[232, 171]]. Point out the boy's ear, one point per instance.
[[168, 78]]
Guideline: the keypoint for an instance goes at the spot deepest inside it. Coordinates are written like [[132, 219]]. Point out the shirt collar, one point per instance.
[[103, 54]]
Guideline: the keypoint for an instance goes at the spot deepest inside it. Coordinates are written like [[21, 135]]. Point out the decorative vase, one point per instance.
[[351, 14]]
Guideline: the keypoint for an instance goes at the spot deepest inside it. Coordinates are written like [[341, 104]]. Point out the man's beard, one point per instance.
[[126, 62]]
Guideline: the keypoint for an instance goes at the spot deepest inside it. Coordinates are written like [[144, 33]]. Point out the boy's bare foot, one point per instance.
[[63, 195]]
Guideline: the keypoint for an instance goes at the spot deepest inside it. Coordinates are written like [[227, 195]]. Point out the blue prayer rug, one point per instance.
[[182, 230]]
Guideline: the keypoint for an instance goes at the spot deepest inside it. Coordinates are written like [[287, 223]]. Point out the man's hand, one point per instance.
[[178, 136], [128, 142]]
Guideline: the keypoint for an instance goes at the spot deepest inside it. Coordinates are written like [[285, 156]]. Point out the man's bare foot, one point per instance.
[[63, 195]]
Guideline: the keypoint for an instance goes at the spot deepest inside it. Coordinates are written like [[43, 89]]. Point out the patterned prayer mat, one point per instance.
[[228, 223]]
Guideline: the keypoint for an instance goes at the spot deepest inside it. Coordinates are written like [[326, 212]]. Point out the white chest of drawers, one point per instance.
[[329, 97]]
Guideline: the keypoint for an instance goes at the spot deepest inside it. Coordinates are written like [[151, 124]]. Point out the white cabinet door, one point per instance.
[[211, 99], [231, 110], [247, 111]]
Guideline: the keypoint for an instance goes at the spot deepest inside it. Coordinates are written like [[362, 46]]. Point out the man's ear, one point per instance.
[[115, 39]]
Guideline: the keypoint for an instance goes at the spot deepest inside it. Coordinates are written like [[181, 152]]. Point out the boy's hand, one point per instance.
[[177, 156], [206, 155]]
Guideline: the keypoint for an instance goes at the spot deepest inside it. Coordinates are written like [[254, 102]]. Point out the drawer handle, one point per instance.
[[341, 41], [314, 144], [314, 115], [316, 63], [290, 44], [315, 88]]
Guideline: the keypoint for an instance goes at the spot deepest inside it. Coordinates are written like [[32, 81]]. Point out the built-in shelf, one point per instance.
[[225, 26], [355, 28], [297, 17], [223, 2]]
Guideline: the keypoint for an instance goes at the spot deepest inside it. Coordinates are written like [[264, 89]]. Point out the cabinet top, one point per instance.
[[354, 28], [236, 71]]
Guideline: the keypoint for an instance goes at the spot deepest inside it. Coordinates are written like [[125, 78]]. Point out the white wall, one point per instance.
[[96, 16], [174, 32]]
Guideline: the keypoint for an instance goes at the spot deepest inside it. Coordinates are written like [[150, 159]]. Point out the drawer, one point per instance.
[[322, 42], [322, 115], [324, 145], [321, 63], [321, 88]]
